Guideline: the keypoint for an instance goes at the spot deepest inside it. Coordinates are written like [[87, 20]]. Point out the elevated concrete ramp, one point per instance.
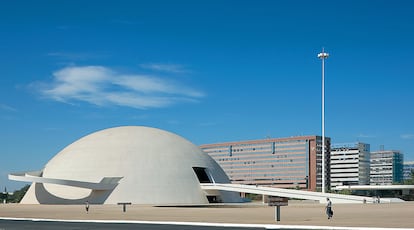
[[291, 193], [107, 183]]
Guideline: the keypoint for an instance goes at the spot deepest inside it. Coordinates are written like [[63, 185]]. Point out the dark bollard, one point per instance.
[[277, 213], [124, 204]]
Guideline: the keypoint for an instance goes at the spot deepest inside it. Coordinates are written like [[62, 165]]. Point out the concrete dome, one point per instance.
[[143, 165]]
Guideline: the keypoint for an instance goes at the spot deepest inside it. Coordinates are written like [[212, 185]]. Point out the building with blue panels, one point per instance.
[[386, 167]]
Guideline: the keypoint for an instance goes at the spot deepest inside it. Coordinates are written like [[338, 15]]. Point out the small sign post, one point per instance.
[[277, 202]]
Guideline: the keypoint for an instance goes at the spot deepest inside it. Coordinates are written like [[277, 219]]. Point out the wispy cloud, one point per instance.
[[208, 124], [361, 135], [76, 56], [103, 86], [7, 108], [170, 68], [126, 22], [407, 136]]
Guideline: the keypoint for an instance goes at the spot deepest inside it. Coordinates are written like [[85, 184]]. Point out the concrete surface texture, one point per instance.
[[395, 215], [149, 166]]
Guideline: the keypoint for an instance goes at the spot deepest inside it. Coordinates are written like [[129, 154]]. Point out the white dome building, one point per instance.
[[134, 164]]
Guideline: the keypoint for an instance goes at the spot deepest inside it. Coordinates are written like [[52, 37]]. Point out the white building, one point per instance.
[[134, 164], [350, 164], [386, 167]]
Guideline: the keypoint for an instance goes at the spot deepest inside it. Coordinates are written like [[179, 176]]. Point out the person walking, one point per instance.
[[329, 211], [87, 206]]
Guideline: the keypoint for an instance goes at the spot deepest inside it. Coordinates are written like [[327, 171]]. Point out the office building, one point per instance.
[[386, 167], [408, 170], [350, 164], [294, 162]]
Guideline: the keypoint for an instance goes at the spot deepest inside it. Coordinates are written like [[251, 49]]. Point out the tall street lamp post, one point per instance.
[[323, 56]]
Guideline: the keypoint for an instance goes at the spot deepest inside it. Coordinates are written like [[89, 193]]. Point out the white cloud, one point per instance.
[[149, 84], [407, 136], [171, 68], [104, 87], [361, 135]]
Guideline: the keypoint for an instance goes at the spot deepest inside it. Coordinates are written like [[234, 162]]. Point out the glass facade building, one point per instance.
[[294, 162], [408, 169], [386, 167]]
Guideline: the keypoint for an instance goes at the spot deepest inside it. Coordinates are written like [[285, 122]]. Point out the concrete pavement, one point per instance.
[[394, 215]]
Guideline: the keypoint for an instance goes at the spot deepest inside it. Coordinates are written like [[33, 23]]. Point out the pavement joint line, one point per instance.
[[207, 224]]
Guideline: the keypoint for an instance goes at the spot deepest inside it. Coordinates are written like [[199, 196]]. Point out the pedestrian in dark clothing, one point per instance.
[[87, 206], [329, 211]]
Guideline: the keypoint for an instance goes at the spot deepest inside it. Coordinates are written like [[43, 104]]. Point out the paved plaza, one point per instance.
[[395, 215]]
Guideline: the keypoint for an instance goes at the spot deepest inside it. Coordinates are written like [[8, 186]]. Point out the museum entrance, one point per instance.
[[202, 175]]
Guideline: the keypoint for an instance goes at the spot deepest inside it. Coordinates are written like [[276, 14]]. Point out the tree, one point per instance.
[[17, 195]]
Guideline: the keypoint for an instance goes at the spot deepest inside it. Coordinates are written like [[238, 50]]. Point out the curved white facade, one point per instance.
[[134, 164]]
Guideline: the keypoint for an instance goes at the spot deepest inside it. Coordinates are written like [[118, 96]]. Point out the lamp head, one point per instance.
[[323, 55]]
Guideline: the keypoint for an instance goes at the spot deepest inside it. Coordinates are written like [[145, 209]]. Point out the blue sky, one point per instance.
[[210, 71]]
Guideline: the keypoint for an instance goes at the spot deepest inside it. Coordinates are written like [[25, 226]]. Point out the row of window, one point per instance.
[[243, 170], [267, 148], [268, 177], [261, 154], [272, 164], [268, 152], [264, 159], [274, 146]]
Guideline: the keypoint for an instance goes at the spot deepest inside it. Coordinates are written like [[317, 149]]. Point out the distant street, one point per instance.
[[45, 225]]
